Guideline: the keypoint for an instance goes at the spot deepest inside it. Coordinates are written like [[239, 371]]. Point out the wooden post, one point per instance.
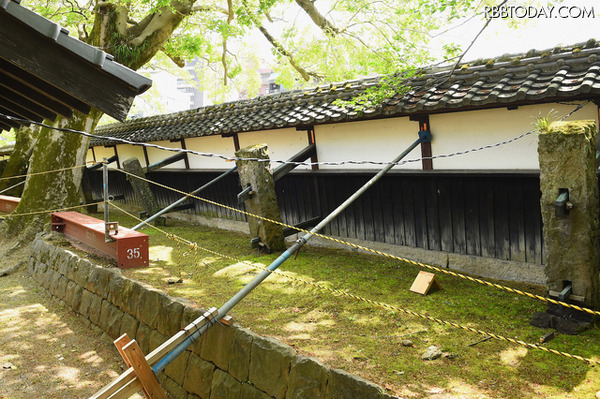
[[263, 201], [567, 156], [141, 187]]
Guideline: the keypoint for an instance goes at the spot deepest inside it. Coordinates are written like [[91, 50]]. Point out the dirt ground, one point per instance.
[[46, 350]]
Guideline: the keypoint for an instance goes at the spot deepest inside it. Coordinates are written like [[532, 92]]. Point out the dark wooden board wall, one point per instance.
[[489, 215]]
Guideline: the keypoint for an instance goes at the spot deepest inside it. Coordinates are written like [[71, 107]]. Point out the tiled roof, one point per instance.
[[45, 72], [562, 73]]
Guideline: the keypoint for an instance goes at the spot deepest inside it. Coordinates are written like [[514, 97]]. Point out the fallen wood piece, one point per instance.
[[480, 341], [227, 320]]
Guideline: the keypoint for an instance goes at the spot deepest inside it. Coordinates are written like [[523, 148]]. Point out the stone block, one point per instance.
[[39, 272], [218, 345], [198, 379], [73, 295], [124, 293], [343, 385], [83, 271], [251, 392], [177, 368], [149, 306], [175, 390], [169, 316], [61, 286], [86, 299], [142, 336], [224, 386], [72, 267], [99, 281], [156, 340], [52, 281], [129, 325], [269, 365], [308, 379], [190, 314], [110, 319], [64, 261], [95, 309], [239, 356]]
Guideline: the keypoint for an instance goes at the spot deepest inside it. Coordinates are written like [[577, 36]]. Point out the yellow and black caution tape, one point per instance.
[[374, 251], [372, 302]]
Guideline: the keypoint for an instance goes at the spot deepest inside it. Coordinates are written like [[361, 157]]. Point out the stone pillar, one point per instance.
[[567, 156], [263, 201], [142, 188]]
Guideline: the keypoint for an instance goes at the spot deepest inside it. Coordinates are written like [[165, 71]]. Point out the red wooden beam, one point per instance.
[[129, 248], [8, 203]]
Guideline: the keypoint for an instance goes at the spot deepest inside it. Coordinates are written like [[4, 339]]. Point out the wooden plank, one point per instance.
[[378, 212], [422, 240], [473, 236], [367, 202], [486, 217], [501, 218], [120, 343], [144, 373], [398, 210], [432, 213], [533, 221], [408, 212], [458, 216], [445, 214], [387, 211], [19, 75], [127, 382], [425, 282], [517, 223]]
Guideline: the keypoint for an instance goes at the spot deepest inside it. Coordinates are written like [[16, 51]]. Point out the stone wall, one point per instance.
[[226, 362]]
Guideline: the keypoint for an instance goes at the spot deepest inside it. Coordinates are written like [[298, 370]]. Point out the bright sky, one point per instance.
[[533, 32]]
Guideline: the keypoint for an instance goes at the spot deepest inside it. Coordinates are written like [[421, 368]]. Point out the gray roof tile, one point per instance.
[[537, 76]]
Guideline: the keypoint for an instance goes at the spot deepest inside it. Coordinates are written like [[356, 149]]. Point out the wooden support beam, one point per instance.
[[143, 372], [128, 384]]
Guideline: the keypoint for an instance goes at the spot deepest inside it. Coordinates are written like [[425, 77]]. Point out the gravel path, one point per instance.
[[47, 350]]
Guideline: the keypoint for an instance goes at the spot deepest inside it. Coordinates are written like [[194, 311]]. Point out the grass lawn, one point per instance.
[[368, 340]]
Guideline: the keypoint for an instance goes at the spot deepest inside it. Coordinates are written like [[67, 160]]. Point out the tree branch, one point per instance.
[[459, 59], [326, 26], [281, 50]]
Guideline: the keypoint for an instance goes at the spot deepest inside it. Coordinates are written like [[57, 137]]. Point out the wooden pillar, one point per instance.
[[142, 188], [263, 201], [567, 156]]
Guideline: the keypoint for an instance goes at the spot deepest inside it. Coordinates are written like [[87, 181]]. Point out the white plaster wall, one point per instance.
[[210, 144], [460, 131], [376, 140], [127, 151], [89, 158], [155, 155], [282, 143], [104, 152]]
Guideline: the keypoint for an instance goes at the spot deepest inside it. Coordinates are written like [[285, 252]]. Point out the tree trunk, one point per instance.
[[50, 191], [19, 159]]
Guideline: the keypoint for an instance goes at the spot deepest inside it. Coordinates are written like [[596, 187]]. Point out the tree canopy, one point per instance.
[[311, 42]]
